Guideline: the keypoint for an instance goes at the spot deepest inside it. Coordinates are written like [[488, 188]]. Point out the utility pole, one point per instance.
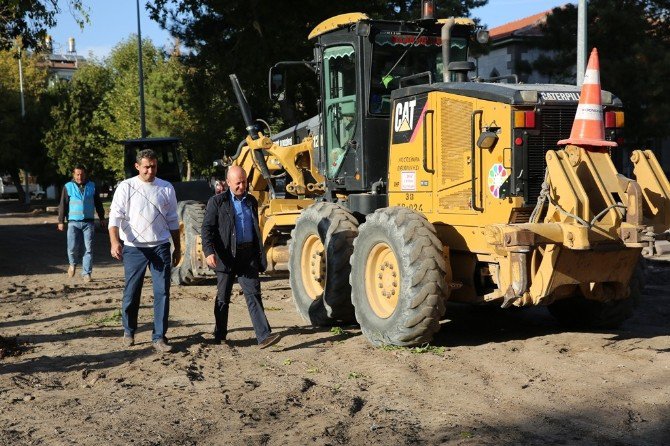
[[26, 187], [143, 126], [582, 39]]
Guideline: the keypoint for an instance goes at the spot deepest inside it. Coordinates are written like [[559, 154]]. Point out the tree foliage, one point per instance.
[[100, 107], [21, 132], [247, 37], [633, 41], [30, 20], [190, 96], [76, 135], [166, 99]]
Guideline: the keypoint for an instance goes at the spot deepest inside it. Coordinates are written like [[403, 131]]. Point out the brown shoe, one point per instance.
[[162, 346], [87, 278], [270, 340], [70, 271], [128, 340]]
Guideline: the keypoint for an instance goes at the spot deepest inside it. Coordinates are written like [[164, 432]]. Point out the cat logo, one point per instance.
[[404, 116], [407, 117]]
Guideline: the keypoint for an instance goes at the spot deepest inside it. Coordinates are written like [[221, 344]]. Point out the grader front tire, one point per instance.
[[398, 278], [319, 250]]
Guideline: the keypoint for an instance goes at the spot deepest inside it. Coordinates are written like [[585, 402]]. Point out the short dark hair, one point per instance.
[[146, 154], [79, 167]]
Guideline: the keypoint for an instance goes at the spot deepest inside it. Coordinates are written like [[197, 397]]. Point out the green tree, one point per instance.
[[122, 120], [633, 41], [167, 105], [30, 20], [76, 135], [169, 109], [20, 136], [247, 37]]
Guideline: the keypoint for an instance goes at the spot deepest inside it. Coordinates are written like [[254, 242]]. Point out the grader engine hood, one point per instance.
[[295, 134]]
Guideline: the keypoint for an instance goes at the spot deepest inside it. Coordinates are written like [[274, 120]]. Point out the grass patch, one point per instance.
[[111, 319], [338, 331], [390, 348], [288, 361], [273, 309], [425, 348], [355, 375], [435, 350]]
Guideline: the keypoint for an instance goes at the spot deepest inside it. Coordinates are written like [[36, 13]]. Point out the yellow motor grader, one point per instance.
[[415, 186]]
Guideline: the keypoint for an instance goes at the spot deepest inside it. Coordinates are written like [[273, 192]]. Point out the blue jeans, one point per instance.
[[135, 262], [78, 231]]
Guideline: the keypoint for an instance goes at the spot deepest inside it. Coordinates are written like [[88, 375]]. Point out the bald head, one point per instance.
[[236, 178]]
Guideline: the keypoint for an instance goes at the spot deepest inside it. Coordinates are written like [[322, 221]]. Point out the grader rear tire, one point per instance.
[[398, 278], [191, 214], [319, 251]]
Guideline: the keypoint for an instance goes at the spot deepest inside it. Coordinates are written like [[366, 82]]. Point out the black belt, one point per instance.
[[242, 246]]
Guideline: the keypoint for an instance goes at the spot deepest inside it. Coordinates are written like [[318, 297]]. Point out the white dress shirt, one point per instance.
[[145, 213]]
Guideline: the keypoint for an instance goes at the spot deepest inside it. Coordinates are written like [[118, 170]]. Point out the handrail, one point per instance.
[[473, 194], [427, 74], [425, 137]]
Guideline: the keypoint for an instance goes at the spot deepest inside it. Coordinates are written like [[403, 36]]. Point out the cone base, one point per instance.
[[587, 142]]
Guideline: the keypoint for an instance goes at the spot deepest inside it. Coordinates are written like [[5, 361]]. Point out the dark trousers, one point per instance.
[[245, 271], [135, 261]]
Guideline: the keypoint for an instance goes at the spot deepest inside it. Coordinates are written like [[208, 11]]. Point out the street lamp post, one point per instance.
[[582, 38], [143, 126], [26, 187]]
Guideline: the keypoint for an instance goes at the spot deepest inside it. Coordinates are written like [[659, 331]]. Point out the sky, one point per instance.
[[112, 21]]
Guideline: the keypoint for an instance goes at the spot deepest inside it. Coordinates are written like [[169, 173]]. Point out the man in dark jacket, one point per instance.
[[232, 243]]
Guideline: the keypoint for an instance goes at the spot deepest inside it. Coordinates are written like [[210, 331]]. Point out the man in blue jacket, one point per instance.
[[81, 199]]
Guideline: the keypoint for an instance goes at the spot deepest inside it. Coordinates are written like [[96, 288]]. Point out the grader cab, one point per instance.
[[414, 186]]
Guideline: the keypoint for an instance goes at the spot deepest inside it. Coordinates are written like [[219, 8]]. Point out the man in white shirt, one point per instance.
[[144, 216]]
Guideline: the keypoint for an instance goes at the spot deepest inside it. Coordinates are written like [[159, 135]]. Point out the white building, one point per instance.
[[512, 52]]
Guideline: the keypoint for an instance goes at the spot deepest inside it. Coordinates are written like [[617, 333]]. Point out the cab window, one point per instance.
[[340, 104], [390, 63]]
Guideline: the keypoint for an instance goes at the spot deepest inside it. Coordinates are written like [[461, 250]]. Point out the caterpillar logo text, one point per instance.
[[404, 115], [407, 117]]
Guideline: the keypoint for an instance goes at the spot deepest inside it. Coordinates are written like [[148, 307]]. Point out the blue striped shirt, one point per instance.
[[244, 219]]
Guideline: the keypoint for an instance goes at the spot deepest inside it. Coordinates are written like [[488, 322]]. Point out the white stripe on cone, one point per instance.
[[592, 77], [589, 112]]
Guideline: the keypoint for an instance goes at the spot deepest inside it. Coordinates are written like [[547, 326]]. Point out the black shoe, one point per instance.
[[270, 340]]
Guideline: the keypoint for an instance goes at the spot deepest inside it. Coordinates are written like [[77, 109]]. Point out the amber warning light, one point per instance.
[[427, 9]]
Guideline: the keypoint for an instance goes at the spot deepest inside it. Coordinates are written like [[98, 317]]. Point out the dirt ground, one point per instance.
[[491, 376]]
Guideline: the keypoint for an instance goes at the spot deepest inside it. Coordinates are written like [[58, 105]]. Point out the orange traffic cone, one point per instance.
[[589, 128]]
